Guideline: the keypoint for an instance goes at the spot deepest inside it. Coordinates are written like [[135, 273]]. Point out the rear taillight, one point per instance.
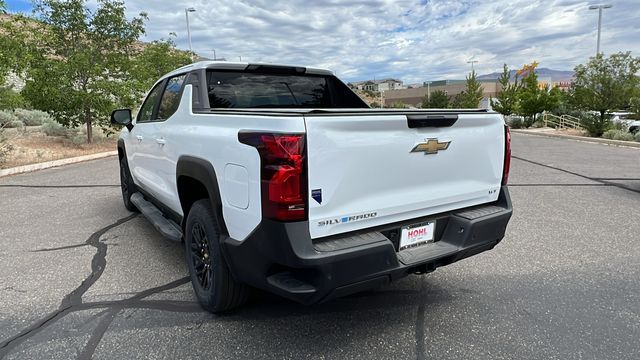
[[283, 174], [507, 155]]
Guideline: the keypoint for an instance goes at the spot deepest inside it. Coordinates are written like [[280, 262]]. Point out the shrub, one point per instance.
[[5, 147], [610, 134], [617, 135], [637, 136], [594, 125], [538, 124], [528, 122], [77, 138], [514, 122], [54, 128], [6, 118], [624, 136], [14, 124], [32, 117]]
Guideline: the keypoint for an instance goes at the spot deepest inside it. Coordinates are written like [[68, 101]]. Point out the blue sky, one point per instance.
[[411, 40]]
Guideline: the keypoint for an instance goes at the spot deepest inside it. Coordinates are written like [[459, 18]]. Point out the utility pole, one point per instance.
[[186, 13], [599, 7], [472, 62], [214, 54]]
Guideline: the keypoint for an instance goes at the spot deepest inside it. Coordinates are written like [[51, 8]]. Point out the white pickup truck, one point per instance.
[[282, 178]]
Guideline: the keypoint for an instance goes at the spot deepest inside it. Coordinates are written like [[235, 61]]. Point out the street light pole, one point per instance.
[[472, 62], [599, 7], [186, 13]]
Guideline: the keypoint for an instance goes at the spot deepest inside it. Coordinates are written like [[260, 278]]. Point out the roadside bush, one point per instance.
[[618, 135], [624, 136], [97, 132], [514, 122], [54, 128], [618, 125], [14, 124], [6, 118], [5, 147], [32, 117], [528, 122], [538, 124], [637, 137], [594, 125], [610, 134]]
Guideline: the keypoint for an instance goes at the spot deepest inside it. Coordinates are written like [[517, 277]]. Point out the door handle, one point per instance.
[[160, 141], [139, 137]]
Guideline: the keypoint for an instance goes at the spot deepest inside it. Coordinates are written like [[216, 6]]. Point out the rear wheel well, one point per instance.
[[190, 190]]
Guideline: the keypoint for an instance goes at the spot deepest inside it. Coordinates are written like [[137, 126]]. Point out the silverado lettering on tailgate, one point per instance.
[[346, 219]]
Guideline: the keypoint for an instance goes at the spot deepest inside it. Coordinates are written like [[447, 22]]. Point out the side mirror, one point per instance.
[[122, 117]]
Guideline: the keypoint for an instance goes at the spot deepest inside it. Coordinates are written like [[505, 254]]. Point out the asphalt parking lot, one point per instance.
[[80, 277]]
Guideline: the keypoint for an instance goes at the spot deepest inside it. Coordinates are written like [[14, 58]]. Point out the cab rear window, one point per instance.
[[262, 89]]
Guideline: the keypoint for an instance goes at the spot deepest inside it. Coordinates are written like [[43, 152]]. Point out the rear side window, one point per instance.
[[171, 97], [146, 111], [240, 89]]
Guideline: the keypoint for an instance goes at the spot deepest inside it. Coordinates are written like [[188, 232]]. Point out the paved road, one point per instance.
[[81, 277]]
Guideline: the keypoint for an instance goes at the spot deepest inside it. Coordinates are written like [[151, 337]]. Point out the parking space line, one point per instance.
[[598, 180], [56, 186]]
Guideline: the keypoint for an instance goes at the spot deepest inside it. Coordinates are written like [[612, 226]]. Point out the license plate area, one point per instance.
[[416, 235]]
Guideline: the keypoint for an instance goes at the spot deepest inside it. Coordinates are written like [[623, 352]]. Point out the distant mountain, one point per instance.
[[555, 75]]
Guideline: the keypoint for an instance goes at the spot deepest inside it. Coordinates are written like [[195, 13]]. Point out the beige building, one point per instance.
[[378, 85], [414, 96]]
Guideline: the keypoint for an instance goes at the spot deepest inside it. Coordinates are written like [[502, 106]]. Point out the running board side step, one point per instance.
[[166, 227]]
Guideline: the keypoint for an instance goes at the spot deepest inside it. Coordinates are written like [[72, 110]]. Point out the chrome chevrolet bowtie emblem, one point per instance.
[[431, 146]]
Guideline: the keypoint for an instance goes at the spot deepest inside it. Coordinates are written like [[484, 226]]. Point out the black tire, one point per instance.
[[126, 185], [214, 286]]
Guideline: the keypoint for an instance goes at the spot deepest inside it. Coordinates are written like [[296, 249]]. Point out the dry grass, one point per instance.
[[574, 132], [368, 99], [33, 146]]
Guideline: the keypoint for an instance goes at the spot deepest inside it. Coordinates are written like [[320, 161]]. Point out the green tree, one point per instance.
[[438, 100], [532, 98], [605, 84], [507, 98], [11, 99], [634, 106], [156, 59], [82, 68], [3, 7], [554, 99], [472, 94], [10, 43]]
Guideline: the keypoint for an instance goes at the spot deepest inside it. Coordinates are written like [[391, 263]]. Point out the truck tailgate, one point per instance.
[[363, 172]]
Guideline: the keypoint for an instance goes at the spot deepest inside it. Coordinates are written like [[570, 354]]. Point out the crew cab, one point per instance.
[[281, 178]]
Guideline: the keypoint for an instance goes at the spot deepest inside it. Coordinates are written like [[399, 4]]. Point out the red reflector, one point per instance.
[[283, 176], [507, 156]]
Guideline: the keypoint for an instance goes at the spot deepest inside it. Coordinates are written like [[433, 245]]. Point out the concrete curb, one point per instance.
[[633, 144], [54, 163]]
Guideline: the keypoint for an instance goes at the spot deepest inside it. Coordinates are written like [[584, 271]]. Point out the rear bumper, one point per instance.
[[283, 259]]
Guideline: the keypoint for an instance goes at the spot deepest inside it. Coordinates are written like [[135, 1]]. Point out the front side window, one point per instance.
[[171, 97], [146, 111]]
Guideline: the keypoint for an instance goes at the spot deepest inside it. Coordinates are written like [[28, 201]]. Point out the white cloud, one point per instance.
[[412, 40]]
